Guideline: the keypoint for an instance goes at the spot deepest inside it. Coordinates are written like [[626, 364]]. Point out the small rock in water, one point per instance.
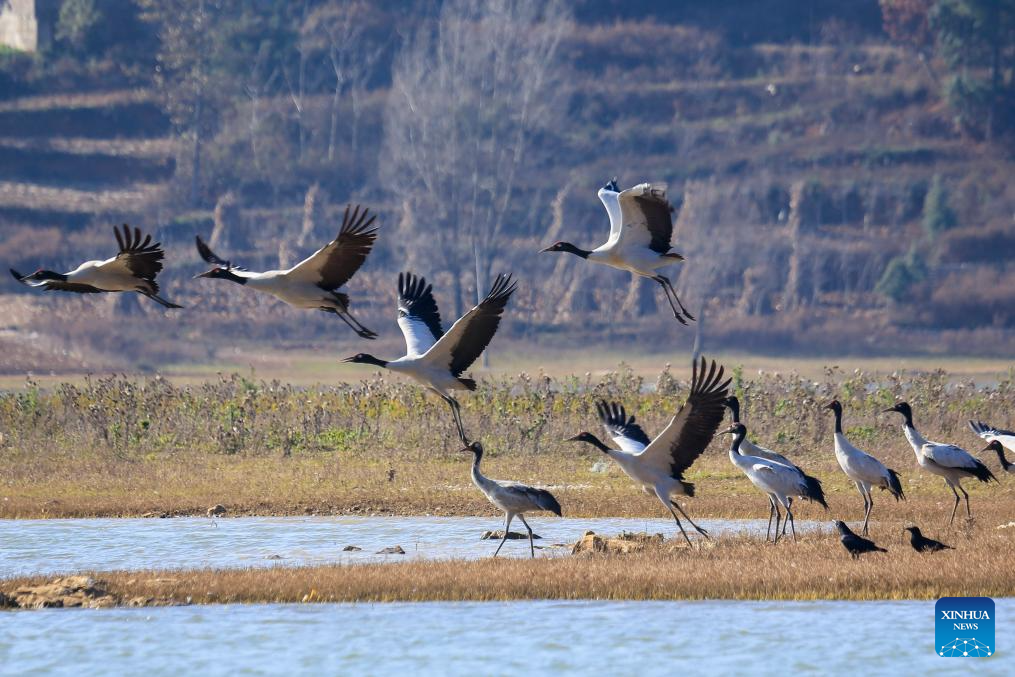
[[274, 557], [216, 510], [394, 550], [600, 466], [512, 535], [351, 548]]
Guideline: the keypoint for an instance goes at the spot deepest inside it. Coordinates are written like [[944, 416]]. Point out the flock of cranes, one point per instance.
[[641, 229]]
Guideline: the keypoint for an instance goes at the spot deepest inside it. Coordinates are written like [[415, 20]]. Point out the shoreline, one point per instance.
[[737, 568]]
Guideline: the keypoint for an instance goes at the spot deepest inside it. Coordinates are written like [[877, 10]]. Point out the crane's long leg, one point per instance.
[[663, 282], [456, 412], [507, 528], [777, 517], [969, 515], [956, 506], [356, 325], [789, 518], [159, 300], [532, 548], [771, 514], [680, 526], [669, 287], [696, 527], [869, 505]]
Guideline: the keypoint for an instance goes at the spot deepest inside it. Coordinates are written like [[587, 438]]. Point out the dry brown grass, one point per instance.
[[122, 447], [739, 568]]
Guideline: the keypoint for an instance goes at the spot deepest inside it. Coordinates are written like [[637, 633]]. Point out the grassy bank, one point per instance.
[[739, 568], [119, 447]]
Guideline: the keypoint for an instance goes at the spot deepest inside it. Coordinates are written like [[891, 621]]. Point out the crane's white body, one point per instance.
[[428, 371], [779, 481], [628, 247], [863, 469], [775, 479], [109, 275], [945, 460]]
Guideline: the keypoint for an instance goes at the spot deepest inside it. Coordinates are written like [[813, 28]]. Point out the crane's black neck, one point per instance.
[[738, 437], [376, 361], [1005, 463], [233, 277], [577, 251], [838, 419], [597, 443], [50, 275]]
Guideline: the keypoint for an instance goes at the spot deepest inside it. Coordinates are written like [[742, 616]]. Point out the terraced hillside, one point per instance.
[[801, 170]]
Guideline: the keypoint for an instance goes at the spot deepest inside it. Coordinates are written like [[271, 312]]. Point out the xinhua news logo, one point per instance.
[[964, 627]]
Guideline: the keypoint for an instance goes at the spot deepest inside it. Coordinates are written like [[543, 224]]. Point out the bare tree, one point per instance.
[[472, 95], [343, 32]]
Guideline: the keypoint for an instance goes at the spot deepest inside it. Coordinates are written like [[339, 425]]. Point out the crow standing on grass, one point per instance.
[[856, 545], [921, 543]]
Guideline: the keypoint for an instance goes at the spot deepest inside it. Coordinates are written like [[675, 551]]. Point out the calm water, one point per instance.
[[61, 546], [624, 638]]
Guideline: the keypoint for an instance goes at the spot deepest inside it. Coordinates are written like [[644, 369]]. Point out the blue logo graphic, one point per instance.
[[964, 627]]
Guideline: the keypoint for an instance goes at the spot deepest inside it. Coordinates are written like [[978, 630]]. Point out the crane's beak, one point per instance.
[[888, 411], [350, 359], [547, 249], [728, 431], [206, 273], [576, 438]]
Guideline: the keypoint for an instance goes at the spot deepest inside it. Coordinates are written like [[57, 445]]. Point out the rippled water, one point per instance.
[[626, 638], [66, 545]]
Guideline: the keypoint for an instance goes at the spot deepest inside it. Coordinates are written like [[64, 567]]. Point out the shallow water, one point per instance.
[[626, 638], [67, 545]]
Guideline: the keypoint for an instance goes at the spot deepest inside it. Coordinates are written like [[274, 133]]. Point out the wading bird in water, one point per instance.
[[779, 481], [513, 498], [658, 465]]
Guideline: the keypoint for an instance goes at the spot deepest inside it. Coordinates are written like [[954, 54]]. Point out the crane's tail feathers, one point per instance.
[[981, 472], [468, 383], [688, 488], [546, 501], [814, 492], [894, 485]]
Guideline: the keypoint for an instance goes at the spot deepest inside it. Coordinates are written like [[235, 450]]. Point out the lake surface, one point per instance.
[[69, 545], [621, 638]]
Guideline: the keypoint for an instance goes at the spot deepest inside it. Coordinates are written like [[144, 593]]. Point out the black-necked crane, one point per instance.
[[855, 545], [921, 543], [313, 283], [945, 460], [436, 359], [513, 498], [997, 441], [780, 482], [749, 448], [133, 269], [863, 469], [658, 465], [641, 227]]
